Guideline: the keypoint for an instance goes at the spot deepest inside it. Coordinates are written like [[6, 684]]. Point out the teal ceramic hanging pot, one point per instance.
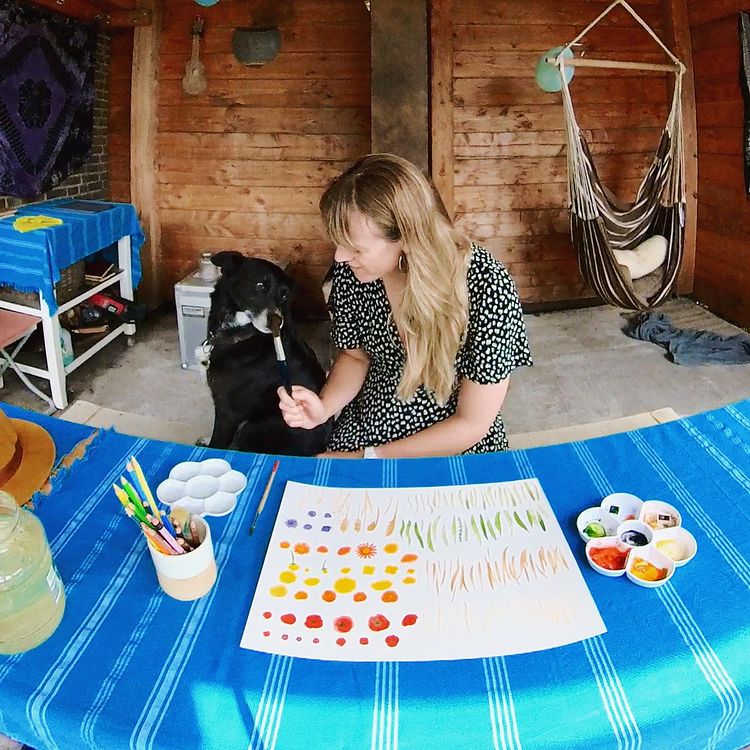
[[548, 75]]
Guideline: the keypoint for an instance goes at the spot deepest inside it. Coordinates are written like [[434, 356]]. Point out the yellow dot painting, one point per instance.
[[278, 591], [312, 581], [382, 585], [287, 577], [368, 570], [346, 570], [345, 585], [391, 548], [409, 579], [391, 570], [293, 566]]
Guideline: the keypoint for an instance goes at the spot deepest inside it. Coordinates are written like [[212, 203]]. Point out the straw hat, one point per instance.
[[27, 454]]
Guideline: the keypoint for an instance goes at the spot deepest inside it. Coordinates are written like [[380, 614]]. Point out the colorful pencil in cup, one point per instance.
[[136, 472], [151, 524]]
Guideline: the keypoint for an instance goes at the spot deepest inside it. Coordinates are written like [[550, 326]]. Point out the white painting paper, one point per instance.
[[418, 574]]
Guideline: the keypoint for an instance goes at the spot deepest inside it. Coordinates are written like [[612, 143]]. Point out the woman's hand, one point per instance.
[[303, 408]]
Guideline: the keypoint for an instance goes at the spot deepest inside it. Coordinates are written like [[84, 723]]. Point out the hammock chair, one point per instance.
[[603, 229]]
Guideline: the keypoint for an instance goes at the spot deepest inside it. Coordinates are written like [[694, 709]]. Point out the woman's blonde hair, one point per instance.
[[433, 316]]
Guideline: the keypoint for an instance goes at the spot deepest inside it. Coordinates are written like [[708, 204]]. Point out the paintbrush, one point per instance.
[[275, 321]]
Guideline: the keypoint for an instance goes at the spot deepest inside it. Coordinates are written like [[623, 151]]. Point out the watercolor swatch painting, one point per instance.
[[418, 574]]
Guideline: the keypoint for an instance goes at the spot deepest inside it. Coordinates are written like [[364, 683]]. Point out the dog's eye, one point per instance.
[[262, 286], [283, 294]]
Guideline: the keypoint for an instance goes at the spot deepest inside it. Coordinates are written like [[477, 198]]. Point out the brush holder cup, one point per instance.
[[191, 575]]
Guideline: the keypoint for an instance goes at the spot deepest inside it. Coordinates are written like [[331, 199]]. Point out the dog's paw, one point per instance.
[[203, 442]]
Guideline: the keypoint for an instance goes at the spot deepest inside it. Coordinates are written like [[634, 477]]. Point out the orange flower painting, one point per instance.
[[366, 551]]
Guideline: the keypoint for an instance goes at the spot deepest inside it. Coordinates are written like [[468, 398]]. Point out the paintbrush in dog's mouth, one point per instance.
[[275, 322]]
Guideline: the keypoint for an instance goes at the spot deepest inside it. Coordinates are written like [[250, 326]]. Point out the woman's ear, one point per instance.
[[228, 261]]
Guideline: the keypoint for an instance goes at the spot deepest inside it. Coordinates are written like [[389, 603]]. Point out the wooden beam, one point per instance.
[[126, 19], [677, 33], [143, 184], [441, 100], [399, 83]]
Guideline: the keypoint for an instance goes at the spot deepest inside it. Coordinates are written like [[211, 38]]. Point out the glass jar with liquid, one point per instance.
[[32, 597]]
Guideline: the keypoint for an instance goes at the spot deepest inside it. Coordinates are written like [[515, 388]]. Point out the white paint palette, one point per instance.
[[205, 488], [643, 540]]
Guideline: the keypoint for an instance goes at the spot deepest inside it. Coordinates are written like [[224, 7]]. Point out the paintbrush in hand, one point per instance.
[[274, 321]]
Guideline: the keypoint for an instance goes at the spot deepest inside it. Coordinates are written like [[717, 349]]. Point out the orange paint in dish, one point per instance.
[[609, 558], [647, 571]]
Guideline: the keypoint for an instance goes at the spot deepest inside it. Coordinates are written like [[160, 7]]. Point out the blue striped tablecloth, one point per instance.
[[33, 261], [130, 668]]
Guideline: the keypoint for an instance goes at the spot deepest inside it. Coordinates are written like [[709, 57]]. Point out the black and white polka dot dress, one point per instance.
[[495, 345]]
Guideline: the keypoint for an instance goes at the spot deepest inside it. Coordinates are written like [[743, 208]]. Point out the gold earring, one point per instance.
[[403, 263]]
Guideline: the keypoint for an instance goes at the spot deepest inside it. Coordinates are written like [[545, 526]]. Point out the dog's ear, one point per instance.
[[228, 261], [294, 286]]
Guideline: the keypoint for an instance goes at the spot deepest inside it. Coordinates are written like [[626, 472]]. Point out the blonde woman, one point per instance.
[[428, 326]]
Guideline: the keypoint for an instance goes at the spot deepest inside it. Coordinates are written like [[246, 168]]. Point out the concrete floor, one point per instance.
[[585, 370]]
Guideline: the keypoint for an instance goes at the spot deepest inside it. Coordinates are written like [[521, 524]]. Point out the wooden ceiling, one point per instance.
[[114, 13]]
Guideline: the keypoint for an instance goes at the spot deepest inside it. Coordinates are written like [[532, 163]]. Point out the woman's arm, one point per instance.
[[477, 408], [345, 380], [307, 410]]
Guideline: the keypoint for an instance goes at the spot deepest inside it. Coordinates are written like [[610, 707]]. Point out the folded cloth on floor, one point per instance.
[[687, 346]]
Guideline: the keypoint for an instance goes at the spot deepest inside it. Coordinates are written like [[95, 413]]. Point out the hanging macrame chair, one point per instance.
[[600, 226]]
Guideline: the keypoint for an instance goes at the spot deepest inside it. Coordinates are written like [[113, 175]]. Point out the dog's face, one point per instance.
[[251, 288]]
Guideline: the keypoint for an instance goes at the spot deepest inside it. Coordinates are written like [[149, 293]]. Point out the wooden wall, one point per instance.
[[120, 72], [242, 166], [722, 264], [509, 155]]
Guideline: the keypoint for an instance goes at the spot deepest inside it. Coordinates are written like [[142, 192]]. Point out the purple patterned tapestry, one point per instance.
[[46, 97]]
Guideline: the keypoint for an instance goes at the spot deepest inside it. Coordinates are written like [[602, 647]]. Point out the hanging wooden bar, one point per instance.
[[583, 62]]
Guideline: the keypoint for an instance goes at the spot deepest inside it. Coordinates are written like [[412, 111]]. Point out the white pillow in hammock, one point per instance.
[[643, 258]]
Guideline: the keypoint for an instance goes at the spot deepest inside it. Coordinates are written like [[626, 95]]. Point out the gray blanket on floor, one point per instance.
[[688, 347]]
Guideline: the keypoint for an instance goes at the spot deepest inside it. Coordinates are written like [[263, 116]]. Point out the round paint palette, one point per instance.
[[206, 488], [643, 540]]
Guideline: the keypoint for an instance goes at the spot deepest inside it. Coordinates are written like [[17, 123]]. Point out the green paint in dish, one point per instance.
[[595, 530]]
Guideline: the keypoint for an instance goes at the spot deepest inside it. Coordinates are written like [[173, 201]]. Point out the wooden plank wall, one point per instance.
[[722, 265], [120, 71], [242, 166], [509, 153]]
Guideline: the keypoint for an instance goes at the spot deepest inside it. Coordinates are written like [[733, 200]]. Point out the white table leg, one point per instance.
[[53, 350], [126, 283]]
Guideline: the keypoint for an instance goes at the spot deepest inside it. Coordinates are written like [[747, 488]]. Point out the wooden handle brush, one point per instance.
[[274, 321]]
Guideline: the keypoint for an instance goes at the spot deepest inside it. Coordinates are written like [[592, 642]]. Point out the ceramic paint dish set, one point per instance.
[[205, 488], [643, 540]]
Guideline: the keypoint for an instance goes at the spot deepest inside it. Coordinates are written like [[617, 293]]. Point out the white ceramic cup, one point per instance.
[[191, 575]]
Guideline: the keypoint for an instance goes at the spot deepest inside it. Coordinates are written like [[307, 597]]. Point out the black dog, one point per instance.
[[243, 372]]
